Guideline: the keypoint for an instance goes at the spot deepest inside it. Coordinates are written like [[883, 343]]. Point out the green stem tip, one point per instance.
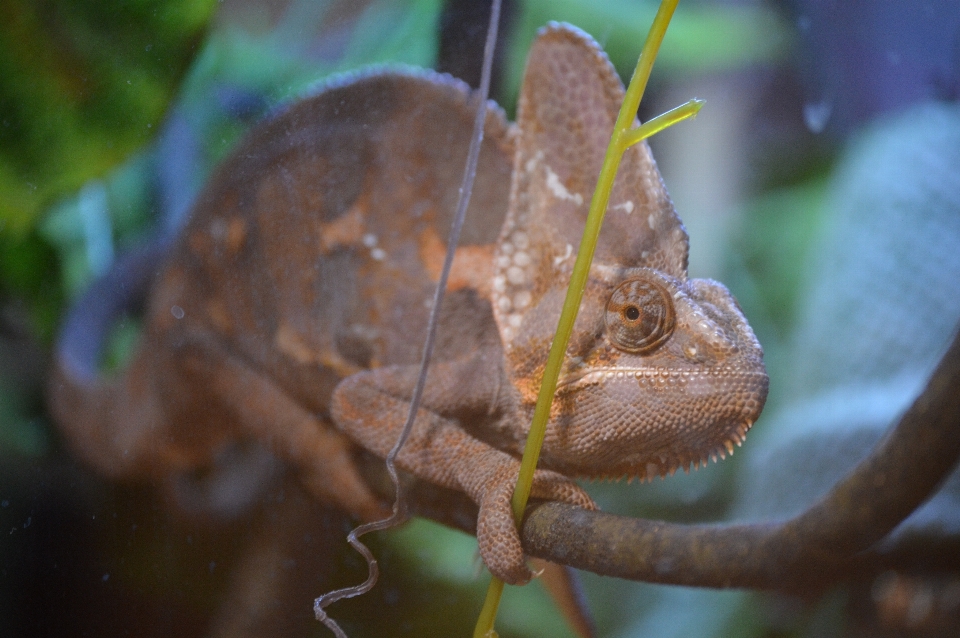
[[664, 120]]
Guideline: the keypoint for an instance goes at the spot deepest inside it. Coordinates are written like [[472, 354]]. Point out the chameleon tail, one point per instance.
[[88, 406], [563, 585]]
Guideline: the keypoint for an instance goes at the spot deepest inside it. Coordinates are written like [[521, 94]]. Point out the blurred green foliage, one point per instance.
[[20, 433], [81, 86]]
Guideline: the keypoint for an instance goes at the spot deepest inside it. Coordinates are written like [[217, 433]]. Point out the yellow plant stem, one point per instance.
[[622, 138], [488, 614], [664, 120]]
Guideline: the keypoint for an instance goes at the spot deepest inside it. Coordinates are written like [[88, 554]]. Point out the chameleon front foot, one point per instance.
[[497, 535]]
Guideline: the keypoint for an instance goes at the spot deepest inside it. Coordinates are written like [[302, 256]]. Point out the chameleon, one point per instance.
[[291, 308]]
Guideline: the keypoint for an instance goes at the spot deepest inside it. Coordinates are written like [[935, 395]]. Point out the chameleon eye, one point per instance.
[[639, 316]]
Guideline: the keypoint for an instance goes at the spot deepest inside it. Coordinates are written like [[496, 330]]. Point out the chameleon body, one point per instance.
[[291, 309]]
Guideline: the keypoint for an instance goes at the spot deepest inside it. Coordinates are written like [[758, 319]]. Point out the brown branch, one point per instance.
[[820, 545]]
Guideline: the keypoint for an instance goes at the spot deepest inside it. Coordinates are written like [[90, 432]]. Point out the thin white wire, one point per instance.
[[466, 189]]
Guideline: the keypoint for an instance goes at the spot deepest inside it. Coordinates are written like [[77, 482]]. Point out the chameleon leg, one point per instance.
[[262, 410], [367, 407]]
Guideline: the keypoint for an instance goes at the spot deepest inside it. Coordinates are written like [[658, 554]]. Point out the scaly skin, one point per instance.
[[291, 310]]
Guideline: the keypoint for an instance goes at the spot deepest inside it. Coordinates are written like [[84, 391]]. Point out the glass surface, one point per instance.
[[819, 183]]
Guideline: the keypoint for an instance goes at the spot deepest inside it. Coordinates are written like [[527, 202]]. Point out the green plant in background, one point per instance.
[[82, 84]]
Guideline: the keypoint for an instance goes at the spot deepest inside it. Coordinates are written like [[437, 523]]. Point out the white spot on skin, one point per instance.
[[626, 207], [499, 283], [521, 259], [520, 240], [177, 312], [515, 275], [532, 162], [651, 222], [378, 254], [369, 240], [504, 304], [560, 191], [562, 258], [521, 300], [503, 261], [515, 321]]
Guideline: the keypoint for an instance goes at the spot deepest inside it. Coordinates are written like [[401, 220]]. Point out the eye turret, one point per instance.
[[640, 316]]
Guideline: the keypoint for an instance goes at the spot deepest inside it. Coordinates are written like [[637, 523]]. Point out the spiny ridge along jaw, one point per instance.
[[664, 465]]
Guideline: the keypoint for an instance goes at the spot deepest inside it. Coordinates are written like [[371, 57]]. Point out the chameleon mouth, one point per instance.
[[594, 376]]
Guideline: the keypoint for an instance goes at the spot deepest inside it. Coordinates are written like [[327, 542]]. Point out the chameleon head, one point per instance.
[[661, 374], [662, 371]]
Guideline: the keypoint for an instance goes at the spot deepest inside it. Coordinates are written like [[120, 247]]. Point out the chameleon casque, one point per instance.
[[290, 311]]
